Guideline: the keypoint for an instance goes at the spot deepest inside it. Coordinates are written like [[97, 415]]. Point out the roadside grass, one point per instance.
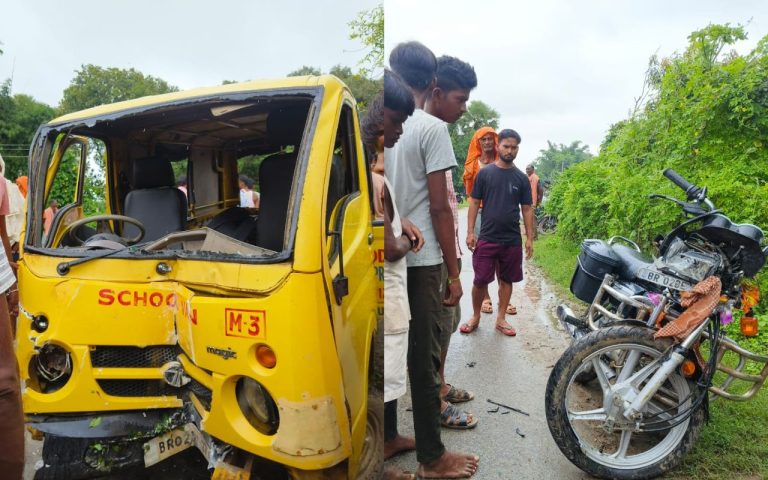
[[734, 444]]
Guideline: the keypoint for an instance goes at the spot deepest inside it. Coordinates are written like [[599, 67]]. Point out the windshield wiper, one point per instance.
[[64, 267]]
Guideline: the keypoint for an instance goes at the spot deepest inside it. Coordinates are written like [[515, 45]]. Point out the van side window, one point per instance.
[[344, 178]]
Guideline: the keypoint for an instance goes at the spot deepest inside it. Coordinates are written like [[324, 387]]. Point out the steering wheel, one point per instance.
[[72, 228]]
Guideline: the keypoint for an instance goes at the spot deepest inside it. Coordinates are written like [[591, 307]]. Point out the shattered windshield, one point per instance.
[[195, 179]]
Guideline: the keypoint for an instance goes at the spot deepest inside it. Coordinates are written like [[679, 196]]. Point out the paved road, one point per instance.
[[508, 370]]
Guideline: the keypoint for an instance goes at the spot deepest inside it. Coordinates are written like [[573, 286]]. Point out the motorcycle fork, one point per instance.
[[634, 406], [630, 362]]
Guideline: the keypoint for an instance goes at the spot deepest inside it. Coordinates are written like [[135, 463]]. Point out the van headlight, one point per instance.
[[52, 365], [257, 405]]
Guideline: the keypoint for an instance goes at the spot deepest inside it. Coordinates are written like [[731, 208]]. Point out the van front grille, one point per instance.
[[134, 357], [138, 388], [202, 393]]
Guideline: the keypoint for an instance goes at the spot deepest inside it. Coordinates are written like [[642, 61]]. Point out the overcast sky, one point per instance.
[[562, 70], [188, 43]]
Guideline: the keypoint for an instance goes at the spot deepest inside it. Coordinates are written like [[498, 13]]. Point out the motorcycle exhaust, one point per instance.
[[572, 324]]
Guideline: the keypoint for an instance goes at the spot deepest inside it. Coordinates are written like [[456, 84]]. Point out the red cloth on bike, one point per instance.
[[698, 303]]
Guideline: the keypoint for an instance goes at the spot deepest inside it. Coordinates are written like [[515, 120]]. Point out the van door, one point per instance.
[[350, 256]]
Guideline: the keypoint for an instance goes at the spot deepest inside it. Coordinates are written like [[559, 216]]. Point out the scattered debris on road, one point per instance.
[[471, 364], [517, 431], [494, 410], [510, 408]]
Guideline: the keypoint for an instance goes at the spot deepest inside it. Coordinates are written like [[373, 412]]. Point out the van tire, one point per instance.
[[64, 458], [372, 456], [67, 458]]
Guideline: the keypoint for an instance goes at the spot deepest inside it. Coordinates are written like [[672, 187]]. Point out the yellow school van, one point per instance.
[[158, 316]]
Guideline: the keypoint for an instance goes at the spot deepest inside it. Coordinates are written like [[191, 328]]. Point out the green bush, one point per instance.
[[707, 118]]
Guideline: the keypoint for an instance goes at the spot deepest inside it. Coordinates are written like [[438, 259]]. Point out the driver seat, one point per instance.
[[155, 201]]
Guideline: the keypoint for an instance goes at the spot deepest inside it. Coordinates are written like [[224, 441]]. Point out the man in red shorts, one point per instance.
[[504, 190]]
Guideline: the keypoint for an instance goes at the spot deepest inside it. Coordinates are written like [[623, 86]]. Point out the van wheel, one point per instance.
[[372, 456], [64, 458]]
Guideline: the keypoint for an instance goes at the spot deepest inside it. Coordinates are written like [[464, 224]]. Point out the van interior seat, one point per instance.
[[235, 222], [154, 199], [275, 180], [285, 126]]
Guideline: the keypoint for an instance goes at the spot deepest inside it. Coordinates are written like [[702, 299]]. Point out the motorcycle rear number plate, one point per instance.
[[663, 279], [171, 443]]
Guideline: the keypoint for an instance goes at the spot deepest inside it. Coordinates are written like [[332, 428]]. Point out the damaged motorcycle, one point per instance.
[[630, 395]]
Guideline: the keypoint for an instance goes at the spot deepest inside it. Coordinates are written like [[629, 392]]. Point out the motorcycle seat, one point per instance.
[[631, 261]]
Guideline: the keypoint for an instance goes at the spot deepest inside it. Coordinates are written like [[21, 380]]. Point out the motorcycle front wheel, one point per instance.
[[578, 413], [546, 225]]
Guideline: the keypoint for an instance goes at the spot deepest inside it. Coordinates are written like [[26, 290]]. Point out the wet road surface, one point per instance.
[[508, 370]]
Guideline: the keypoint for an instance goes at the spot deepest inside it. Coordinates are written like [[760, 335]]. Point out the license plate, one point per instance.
[[171, 443], [663, 279]]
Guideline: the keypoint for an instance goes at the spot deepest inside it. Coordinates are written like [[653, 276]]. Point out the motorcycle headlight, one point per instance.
[[257, 405]]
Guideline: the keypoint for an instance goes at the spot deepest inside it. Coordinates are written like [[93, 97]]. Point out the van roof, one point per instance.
[[156, 100]]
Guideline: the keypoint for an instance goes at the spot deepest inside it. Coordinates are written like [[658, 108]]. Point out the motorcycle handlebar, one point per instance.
[[690, 189]]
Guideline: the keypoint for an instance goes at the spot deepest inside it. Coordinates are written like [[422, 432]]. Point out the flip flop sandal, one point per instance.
[[468, 328], [487, 307], [454, 418], [458, 395], [508, 331], [511, 310]]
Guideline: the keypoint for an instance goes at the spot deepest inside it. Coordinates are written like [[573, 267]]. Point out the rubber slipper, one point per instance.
[[486, 307], [458, 395], [468, 328], [511, 310], [508, 331], [454, 418]]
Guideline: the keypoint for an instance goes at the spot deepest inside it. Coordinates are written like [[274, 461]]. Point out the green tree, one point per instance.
[[20, 115], [363, 88], [305, 70], [478, 115], [368, 27], [94, 86], [707, 118], [557, 157]]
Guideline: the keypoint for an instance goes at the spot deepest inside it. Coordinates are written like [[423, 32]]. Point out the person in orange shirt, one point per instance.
[[482, 151], [48, 215], [536, 189], [537, 192], [22, 184]]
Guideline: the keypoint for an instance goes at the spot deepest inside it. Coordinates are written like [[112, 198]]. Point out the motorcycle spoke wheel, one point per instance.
[[620, 446], [586, 418]]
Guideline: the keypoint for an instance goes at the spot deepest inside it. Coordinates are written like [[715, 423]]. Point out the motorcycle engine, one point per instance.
[[693, 265]]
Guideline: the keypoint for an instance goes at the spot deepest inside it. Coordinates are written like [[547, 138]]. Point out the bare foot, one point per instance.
[[397, 474], [470, 326], [450, 465], [399, 444]]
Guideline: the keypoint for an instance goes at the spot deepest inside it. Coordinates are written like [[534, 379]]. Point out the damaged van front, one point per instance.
[[156, 318]]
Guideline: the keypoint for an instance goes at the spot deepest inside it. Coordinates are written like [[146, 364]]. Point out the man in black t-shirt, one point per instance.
[[505, 191]]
